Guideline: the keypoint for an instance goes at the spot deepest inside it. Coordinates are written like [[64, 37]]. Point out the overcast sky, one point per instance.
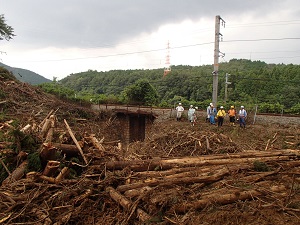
[[59, 37]]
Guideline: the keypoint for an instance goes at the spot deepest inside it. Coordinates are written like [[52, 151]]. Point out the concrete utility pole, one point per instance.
[[216, 59], [226, 84]]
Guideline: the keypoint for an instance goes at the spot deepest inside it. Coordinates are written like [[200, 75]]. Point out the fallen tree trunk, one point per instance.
[[75, 140], [127, 204], [257, 177], [139, 165], [51, 168], [173, 181], [96, 143], [69, 150], [17, 174], [217, 199]]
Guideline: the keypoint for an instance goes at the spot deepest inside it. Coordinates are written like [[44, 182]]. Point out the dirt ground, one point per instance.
[[181, 174]]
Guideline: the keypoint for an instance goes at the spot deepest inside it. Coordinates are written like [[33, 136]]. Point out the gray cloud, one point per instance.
[[97, 23]]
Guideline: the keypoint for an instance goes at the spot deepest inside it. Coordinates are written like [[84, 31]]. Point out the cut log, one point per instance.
[[50, 133], [48, 152], [44, 120], [268, 142], [45, 128], [137, 192], [257, 177], [96, 143], [51, 180], [175, 181], [217, 199], [17, 174], [69, 150], [63, 173], [127, 204], [76, 142], [83, 196], [51, 168], [140, 165], [26, 128]]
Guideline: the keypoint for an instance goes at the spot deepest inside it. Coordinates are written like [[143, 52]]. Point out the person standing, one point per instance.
[[242, 117], [191, 115], [232, 114], [221, 115], [213, 113], [208, 111], [179, 111]]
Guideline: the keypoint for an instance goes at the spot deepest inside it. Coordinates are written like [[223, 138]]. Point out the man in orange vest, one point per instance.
[[232, 113]]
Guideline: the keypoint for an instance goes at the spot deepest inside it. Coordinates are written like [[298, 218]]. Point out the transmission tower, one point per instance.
[[167, 68]]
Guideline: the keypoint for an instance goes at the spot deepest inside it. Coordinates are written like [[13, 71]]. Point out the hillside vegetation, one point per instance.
[[26, 76], [273, 87]]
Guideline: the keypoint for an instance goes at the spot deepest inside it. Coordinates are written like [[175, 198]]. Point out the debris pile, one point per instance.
[[62, 167]]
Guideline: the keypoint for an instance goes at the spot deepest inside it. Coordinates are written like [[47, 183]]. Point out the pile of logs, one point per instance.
[[138, 190]]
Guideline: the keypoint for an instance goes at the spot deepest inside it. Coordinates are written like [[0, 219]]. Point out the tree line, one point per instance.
[[274, 88]]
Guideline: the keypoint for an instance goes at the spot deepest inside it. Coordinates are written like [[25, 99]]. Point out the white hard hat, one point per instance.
[[221, 107], [191, 106], [210, 104], [179, 103], [242, 106]]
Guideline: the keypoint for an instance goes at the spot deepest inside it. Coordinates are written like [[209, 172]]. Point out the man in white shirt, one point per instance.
[[242, 117], [179, 110]]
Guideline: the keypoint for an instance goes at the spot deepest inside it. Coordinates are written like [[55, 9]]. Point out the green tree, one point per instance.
[[6, 32], [142, 92]]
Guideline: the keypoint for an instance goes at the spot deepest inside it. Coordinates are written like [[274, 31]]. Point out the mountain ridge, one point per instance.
[[26, 76]]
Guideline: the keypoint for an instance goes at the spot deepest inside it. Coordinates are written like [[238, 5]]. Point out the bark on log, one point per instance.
[[217, 199], [137, 192], [51, 168], [76, 142], [83, 196], [96, 143], [50, 133], [69, 150], [45, 128], [174, 171], [140, 165], [44, 120], [26, 128], [63, 173], [127, 204], [17, 174], [173, 181], [48, 152], [257, 177]]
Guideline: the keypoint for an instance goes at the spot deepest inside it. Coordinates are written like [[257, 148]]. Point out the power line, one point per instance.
[[163, 49]]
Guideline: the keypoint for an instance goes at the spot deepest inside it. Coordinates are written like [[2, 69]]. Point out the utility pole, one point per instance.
[[226, 84], [217, 52]]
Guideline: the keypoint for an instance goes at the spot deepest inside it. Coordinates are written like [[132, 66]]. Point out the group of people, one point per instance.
[[213, 114], [191, 113]]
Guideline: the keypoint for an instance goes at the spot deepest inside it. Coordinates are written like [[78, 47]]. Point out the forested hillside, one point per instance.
[[26, 76], [273, 87]]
